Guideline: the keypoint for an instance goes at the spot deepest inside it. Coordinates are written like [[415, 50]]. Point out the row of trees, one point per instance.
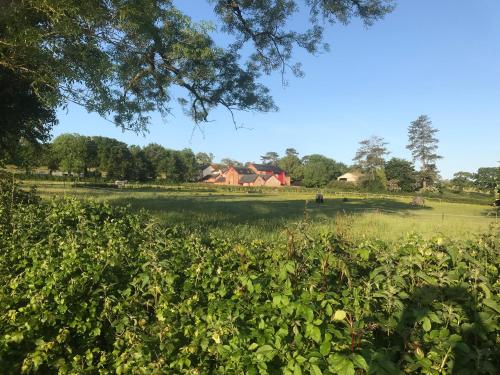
[[101, 156], [370, 160]]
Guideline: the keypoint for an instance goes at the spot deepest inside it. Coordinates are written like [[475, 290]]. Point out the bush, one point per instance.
[[377, 184], [88, 288], [343, 186]]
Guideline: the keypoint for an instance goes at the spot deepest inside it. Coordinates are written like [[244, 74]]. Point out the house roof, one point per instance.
[[353, 174], [242, 170], [221, 179], [266, 177], [267, 168], [209, 176], [248, 178]]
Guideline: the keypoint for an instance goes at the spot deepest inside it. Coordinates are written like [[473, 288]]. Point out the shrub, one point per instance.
[[88, 288]]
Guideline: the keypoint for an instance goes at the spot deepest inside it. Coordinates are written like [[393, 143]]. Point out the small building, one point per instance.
[[207, 169], [252, 180], [265, 169], [271, 180], [352, 177], [233, 174]]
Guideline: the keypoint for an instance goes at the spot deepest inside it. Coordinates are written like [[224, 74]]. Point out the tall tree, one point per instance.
[[227, 162], [291, 152], [73, 152], [423, 145], [156, 154], [129, 58], [204, 158], [23, 114], [270, 158], [142, 168], [370, 155], [292, 164]]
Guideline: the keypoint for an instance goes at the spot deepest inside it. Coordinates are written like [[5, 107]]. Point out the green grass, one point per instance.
[[267, 214]]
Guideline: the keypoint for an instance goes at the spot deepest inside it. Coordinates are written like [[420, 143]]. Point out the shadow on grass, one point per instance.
[[218, 210]]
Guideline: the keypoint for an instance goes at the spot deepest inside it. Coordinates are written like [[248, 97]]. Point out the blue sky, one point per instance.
[[434, 57]]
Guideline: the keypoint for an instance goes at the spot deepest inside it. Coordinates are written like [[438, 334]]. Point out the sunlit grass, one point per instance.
[[268, 214]]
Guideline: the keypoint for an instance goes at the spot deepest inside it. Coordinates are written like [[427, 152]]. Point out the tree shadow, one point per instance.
[[250, 209]]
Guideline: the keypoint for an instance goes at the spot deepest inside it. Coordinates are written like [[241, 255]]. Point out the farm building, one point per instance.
[[353, 177], [264, 169], [253, 175], [207, 170]]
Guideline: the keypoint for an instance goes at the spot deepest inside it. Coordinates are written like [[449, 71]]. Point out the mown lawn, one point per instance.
[[267, 214]]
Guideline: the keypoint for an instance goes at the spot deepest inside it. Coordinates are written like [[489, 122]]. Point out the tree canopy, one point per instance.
[[402, 172], [370, 155], [127, 58]]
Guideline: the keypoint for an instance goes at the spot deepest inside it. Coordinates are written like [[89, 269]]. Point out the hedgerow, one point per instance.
[[90, 288]]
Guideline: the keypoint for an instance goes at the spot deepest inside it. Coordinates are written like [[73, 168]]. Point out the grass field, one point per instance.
[[266, 214]]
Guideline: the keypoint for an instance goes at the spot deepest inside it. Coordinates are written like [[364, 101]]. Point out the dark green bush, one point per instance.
[[88, 288]]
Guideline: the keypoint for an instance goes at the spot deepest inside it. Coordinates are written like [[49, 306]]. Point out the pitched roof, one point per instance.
[[267, 168], [242, 170], [221, 179], [248, 178]]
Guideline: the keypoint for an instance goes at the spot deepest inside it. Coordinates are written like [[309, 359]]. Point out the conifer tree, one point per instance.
[[423, 145]]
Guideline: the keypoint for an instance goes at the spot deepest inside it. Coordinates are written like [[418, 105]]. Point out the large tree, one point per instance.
[[292, 164], [402, 172], [74, 152], [320, 170], [370, 155], [270, 158], [487, 178], [23, 114], [127, 58], [423, 146]]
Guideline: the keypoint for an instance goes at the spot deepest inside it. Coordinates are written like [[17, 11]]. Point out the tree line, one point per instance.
[[96, 156]]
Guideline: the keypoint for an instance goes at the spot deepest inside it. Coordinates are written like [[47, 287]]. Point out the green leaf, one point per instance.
[[315, 370], [360, 361], [325, 347], [491, 304], [316, 334], [339, 315], [342, 365], [267, 351], [306, 312], [426, 324]]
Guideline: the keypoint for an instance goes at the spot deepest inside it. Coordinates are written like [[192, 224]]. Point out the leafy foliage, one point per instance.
[[318, 170], [90, 288], [124, 59], [401, 171], [23, 115], [370, 155]]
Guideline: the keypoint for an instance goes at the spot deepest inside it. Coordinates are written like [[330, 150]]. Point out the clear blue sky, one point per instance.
[[434, 57]]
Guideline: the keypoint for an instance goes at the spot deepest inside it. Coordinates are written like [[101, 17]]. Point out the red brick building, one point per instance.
[[252, 175]]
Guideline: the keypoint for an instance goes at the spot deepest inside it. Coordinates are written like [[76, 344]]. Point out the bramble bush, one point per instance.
[[90, 288]]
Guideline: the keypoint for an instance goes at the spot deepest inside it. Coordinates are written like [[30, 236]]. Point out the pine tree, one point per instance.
[[370, 155], [423, 146]]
